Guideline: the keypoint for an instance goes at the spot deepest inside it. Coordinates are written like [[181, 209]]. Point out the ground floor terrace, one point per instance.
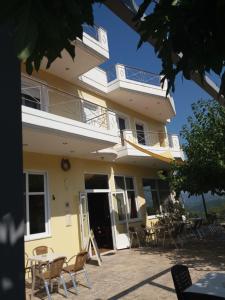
[[144, 273]]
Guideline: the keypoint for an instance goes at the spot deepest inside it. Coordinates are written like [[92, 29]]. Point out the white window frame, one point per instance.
[[126, 197], [47, 233], [158, 194]]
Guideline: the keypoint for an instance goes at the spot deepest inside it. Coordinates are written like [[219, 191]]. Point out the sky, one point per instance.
[[123, 49]]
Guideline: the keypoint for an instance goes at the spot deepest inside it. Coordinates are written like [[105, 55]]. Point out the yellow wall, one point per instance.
[[65, 186]]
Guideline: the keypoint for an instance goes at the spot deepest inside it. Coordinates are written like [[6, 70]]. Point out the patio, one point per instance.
[[145, 273]]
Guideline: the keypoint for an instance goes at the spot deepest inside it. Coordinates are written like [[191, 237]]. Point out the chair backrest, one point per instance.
[[81, 259], [55, 267], [131, 229], [42, 250], [181, 279]]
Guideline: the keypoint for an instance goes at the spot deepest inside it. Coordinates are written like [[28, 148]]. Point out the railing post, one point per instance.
[[102, 36], [112, 124], [120, 72]]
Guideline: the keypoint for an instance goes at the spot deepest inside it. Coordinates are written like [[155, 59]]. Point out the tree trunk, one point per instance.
[[12, 207], [204, 205]]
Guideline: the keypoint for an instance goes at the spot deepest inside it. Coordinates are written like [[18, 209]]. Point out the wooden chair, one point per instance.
[[77, 267], [42, 250], [181, 279], [50, 271]]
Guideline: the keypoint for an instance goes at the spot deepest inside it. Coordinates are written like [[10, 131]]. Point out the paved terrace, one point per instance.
[[144, 273]]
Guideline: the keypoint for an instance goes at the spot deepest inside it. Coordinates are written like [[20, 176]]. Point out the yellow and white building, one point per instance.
[[81, 168]]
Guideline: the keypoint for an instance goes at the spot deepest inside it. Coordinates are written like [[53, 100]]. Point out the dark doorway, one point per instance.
[[100, 223]]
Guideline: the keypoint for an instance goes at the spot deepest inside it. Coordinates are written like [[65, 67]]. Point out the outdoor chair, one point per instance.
[[133, 236], [77, 268], [42, 250], [146, 235], [181, 279], [48, 272], [27, 268]]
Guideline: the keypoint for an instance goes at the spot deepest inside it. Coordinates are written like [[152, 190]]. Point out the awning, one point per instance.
[[165, 156]]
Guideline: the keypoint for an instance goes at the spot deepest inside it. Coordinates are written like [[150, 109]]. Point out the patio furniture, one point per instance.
[[77, 267], [41, 264], [146, 235], [211, 286], [50, 271], [133, 234], [181, 279], [42, 250], [27, 268]]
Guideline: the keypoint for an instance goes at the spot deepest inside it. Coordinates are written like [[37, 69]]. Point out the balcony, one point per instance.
[[58, 122], [137, 89], [157, 142], [90, 52]]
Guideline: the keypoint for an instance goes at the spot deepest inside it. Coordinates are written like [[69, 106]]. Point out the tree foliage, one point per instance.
[[193, 29], [44, 28], [204, 169]]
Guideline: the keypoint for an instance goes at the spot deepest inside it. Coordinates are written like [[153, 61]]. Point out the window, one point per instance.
[[35, 200], [140, 134], [127, 184], [156, 193], [95, 181]]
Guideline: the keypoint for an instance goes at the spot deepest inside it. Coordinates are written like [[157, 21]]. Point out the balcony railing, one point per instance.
[[92, 31], [134, 74], [152, 139], [67, 105], [142, 76]]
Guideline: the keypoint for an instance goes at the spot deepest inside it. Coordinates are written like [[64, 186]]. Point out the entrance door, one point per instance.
[[84, 220], [121, 221], [100, 220]]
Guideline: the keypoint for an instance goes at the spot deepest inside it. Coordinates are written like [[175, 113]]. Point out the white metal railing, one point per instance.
[[151, 139], [134, 74], [62, 103], [92, 31]]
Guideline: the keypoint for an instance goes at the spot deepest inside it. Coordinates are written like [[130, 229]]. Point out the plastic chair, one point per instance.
[[181, 279]]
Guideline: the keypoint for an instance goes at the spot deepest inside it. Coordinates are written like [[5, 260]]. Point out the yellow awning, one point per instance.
[[165, 156]]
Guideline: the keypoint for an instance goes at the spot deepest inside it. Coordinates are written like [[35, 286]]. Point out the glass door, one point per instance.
[[121, 228], [84, 220]]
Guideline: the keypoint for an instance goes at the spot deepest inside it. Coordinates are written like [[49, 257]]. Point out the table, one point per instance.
[[43, 258], [211, 286]]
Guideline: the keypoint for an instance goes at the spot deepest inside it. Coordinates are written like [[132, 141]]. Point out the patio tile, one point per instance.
[[145, 273]]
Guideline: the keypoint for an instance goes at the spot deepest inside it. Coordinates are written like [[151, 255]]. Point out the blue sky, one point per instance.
[[123, 49]]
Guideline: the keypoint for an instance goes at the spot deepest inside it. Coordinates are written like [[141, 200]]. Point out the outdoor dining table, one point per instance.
[[39, 259], [211, 286]]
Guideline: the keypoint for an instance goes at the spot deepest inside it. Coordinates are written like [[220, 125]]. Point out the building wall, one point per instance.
[[71, 108], [65, 186]]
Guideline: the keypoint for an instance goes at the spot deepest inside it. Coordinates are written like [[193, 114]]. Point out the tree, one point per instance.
[[29, 31], [193, 31], [204, 168]]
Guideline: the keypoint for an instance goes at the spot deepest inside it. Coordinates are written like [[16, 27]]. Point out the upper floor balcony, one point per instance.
[[137, 89], [59, 122], [160, 143], [91, 51]]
